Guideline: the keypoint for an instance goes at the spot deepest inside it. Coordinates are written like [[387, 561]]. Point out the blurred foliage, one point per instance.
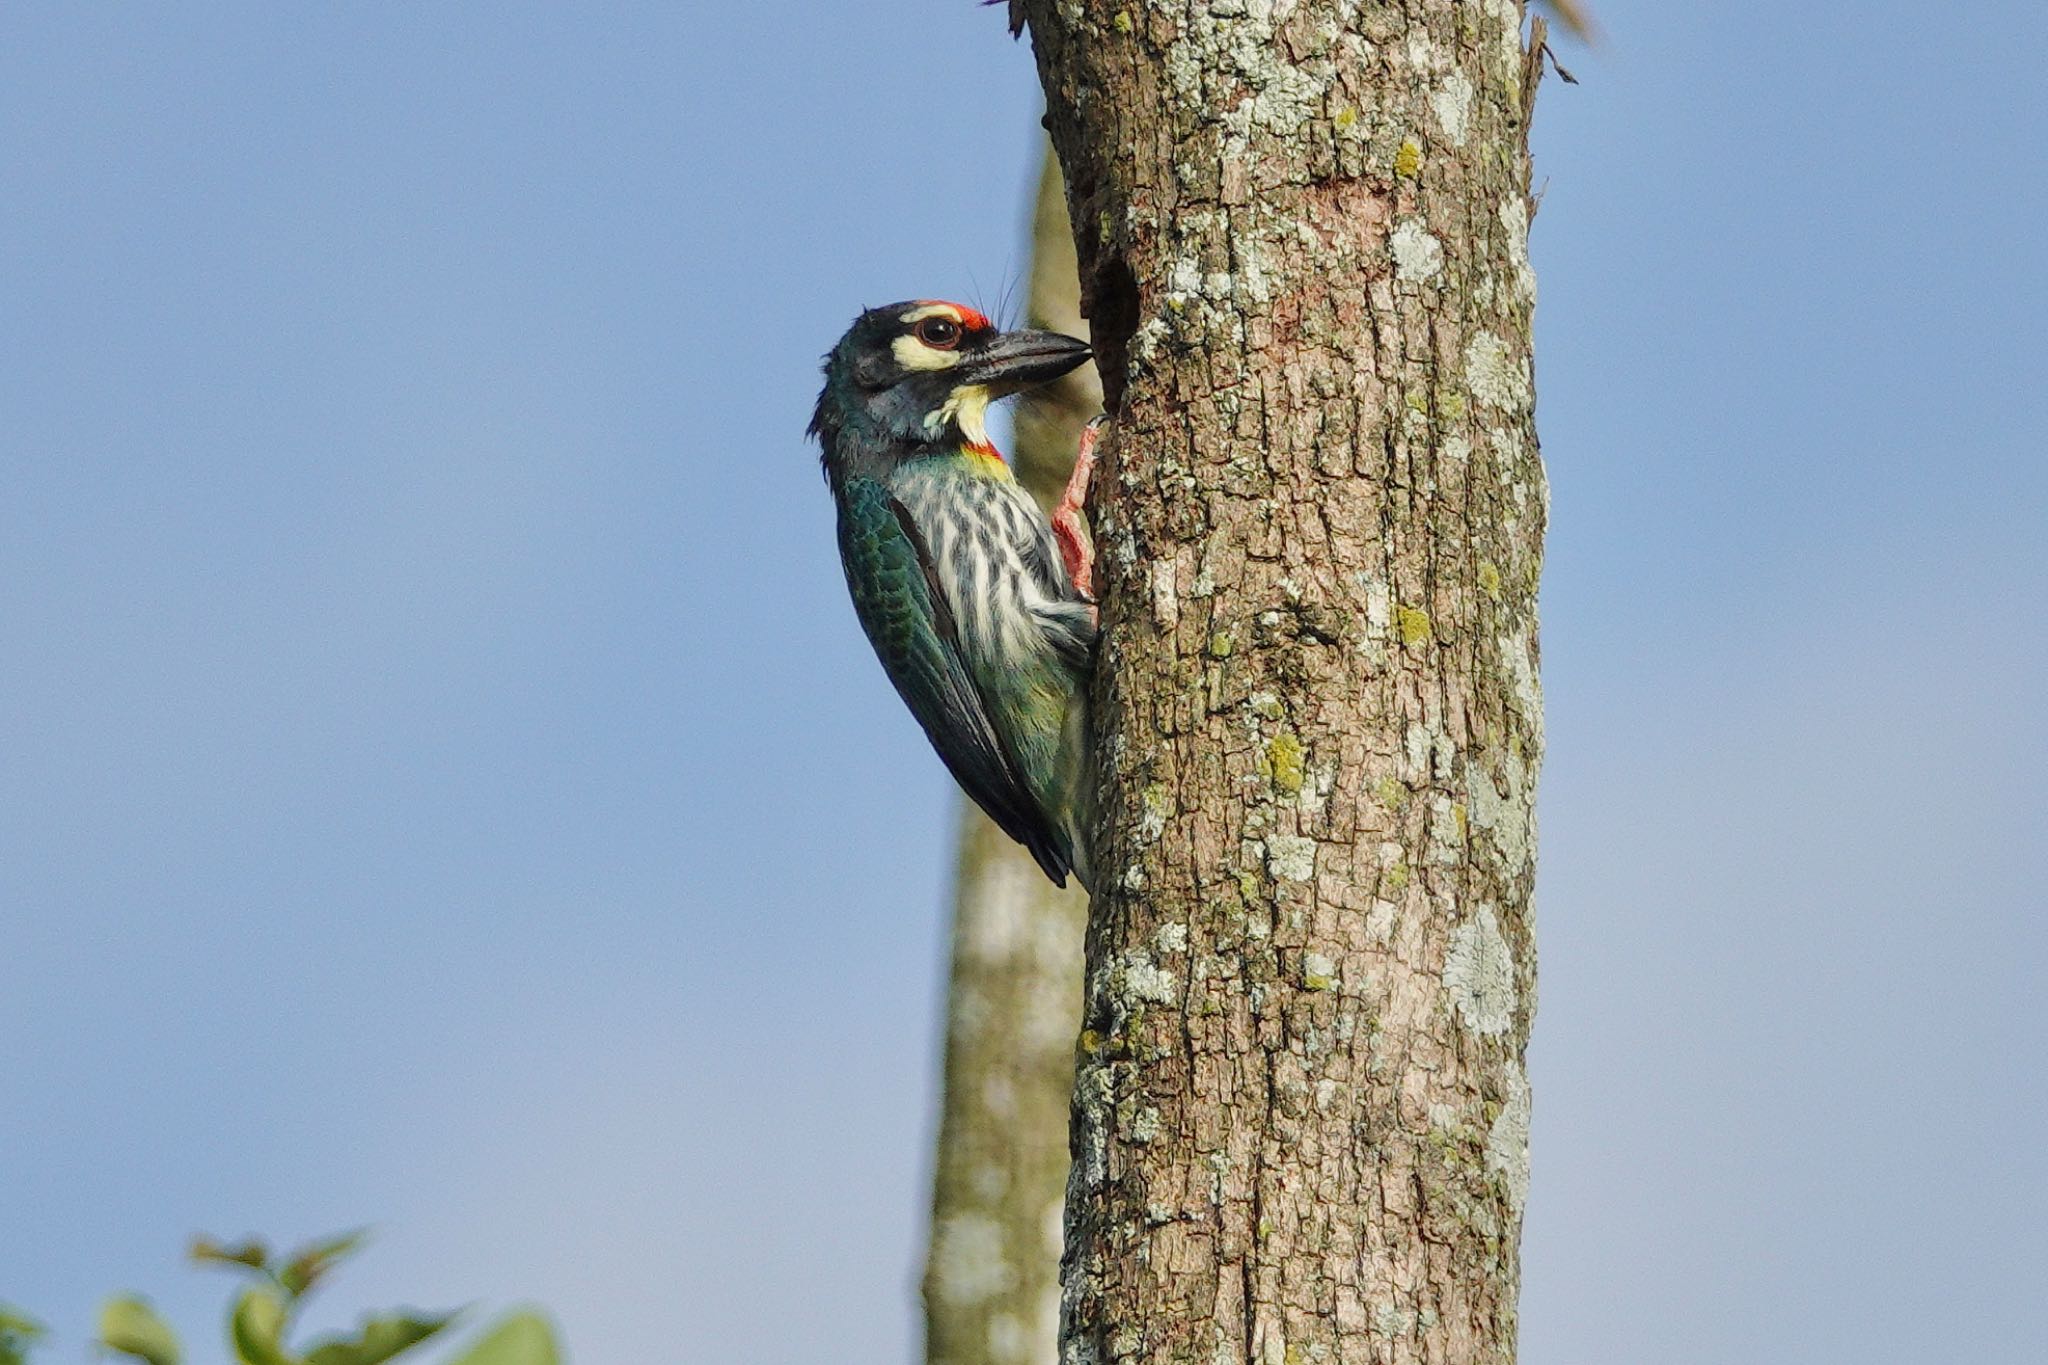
[[261, 1317], [18, 1332], [1575, 19]]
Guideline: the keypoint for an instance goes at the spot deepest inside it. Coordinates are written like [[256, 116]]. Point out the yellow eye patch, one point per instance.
[[913, 354]]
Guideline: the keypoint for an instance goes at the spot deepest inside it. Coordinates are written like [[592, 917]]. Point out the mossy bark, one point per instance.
[[1300, 1121], [991, 1286]]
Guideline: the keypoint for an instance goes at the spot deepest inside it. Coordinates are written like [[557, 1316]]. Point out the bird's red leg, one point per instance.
[[1067, 527]]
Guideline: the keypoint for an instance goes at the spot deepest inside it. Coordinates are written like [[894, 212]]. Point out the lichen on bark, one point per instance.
[[1300, 1116]]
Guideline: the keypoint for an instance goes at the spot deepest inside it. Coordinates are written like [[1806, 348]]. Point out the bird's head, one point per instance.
[[923, 373]]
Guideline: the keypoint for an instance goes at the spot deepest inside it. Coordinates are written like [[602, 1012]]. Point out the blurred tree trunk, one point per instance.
[[1300, 1125], [991, 1285]]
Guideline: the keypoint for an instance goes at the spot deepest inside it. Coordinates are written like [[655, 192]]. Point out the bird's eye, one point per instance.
[[941, 334]]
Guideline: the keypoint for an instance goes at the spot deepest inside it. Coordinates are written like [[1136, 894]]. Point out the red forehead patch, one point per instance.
[[972, 319]]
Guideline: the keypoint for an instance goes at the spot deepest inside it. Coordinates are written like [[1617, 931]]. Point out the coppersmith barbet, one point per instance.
[[975, 601]]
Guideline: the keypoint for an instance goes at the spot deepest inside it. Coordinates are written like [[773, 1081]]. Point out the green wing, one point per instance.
[[910, 624]]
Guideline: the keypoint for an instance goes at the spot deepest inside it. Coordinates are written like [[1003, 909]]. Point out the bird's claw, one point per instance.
[[1068, 527]]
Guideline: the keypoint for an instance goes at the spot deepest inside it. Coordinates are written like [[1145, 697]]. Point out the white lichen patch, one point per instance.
[[1379, 921], [1479, 974], [1507, 1142], [1446, 831], [1417, 255], [1184, 69], [1452, 102], [1290, 858], [1158, 804], [1126, 551], [1415, 746], [1514, 217], [1392, 1320], [1165, 600], [1320, 781], [1422, 52], [1516, 657], [1144, 1125], [1508, 14], [1318, 972], [1290, 98], [1145, 342], [969, 1261], [1379, 602], [1170, 938], [1508, 447], [1145, 980], [1094, 1092], [1495, 375], [1504, 816]]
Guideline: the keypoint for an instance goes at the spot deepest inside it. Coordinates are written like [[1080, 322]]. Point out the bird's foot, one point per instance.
[[1076, 548]]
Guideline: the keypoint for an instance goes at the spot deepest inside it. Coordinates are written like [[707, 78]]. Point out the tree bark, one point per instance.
[[991, 1285], [1300, 1122]]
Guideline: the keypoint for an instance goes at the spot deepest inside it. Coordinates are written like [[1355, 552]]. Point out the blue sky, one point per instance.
[[444, 786]]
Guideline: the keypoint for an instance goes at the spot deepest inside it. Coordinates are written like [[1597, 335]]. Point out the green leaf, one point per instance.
[[18, 1333], [517, 1339], [381, 1338], [15, 1323], [248, 1253], [130, 1326], [258, 1329], [314, 1260]]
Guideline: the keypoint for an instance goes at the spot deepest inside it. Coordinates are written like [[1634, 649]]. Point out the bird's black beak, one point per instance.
[[1017, 360]]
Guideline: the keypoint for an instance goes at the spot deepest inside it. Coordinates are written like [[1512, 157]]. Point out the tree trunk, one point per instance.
[[991, 1286], [1300, 1127]]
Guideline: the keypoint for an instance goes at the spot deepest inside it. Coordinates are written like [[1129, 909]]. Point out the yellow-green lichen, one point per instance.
[[1285, 761], [1450, 405], [1318, 973], [1391, 792], [1346, 116], [1489, 578], [1408, 160], [1122, 23], [1219, 645], [1158, 804], [1397, 878], [1413, 623]]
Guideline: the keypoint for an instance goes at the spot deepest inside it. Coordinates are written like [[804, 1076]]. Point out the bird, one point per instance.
[[977, 603]]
